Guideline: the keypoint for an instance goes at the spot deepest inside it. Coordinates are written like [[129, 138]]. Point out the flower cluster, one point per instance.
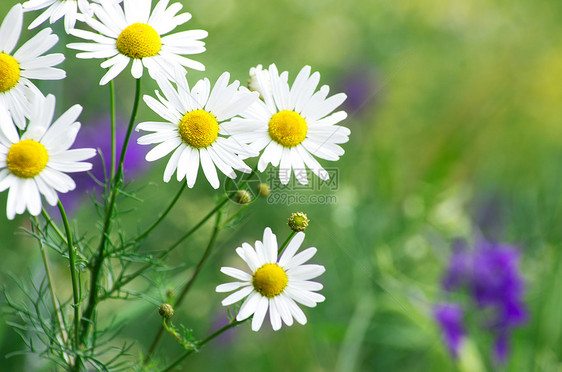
[[35, 152], [218, 127], [490, 274], [212, 126]]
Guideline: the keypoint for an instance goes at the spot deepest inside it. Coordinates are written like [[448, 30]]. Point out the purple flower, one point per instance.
[[489, 217], [450, 318], [361, 85], [98, 135], [490, 274]]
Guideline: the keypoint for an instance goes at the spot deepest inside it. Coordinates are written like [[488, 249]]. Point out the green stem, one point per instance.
[[238, 212], [202, 343], [73, 276], [218, 207], [189, 284], [286, 242], [120, 283], [113, 134], [134, 275], [98, 263], [51, 223], [202, 262], [56, 307], [163, 215], [129, 131], [171, 331]]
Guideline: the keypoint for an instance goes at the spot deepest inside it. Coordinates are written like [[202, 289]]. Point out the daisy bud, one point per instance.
[[166, 311], [264, 190], [242, 197], [170, 294], [298, 221]]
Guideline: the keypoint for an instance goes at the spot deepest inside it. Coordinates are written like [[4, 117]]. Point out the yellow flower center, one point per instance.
[[139, 40], [27, 158], [287, 128], [199, 128], [9, 72], [270, 280]]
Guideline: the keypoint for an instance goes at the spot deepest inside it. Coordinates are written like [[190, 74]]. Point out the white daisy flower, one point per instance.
[[253, 84], [26, 63], [293, 124], [274, 283], [71, 10], [36, 162], [133, 33], [193, 128]]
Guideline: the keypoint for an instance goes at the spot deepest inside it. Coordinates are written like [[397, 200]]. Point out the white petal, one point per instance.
[[312, 163], [270, 245], [209, 168], [115, 70], [163, 149], [33, 197], [136, 69], [184, 161], [298, 86], [300, 258], [236, 273], [291, 249], [192, 168], [157, 137], [11, 29], [13, 195], [297, 164], [295, 310], [329, 105], [218, 91], [237, 296], [260, 251], [57, 180], [220, 163], [271, 154], [306, 285], [232, 286], [249, 306], [274, 316], [155, 126], [173, 164], [306, 272], [259, 315], [36, 46], [285, 166], [306, 298], [248, 254], [283, 308]]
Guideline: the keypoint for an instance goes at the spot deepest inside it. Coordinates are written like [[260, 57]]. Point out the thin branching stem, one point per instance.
[[98, 263], [204, 258], [113, 130], [200, 344], [189, 284], [231, 218], [73, 276], [118, 285], [51, 223], [54, 302], [221, 203], [163, 215]]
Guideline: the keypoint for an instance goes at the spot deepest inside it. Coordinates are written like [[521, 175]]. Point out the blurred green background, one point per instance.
[[457, 133]]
